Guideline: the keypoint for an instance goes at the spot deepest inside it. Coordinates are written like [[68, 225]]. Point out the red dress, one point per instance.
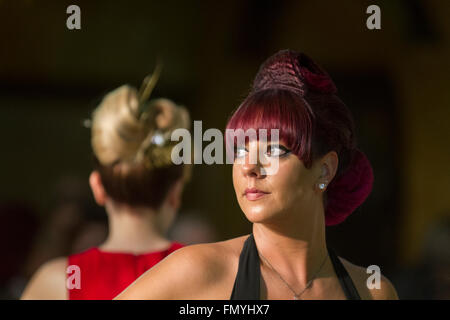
[[103, 275]]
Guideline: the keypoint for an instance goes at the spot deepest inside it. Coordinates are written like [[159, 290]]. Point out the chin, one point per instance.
[[258, 215], [258, 211]]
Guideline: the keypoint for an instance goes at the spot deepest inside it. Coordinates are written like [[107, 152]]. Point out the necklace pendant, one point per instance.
[[296, 297]]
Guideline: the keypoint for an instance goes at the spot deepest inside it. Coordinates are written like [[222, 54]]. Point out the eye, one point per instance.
[[277, 151], [239, 152]]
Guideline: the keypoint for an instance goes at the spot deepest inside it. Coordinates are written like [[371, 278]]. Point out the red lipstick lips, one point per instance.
[[254, 194]]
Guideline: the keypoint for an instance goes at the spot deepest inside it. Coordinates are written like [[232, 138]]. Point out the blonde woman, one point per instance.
[[140, 188]]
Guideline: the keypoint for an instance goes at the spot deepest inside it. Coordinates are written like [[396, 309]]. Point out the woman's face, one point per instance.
[[284, 194]]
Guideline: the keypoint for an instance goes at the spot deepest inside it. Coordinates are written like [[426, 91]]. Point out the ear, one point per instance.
[[328, 167], [98, 191], [175, 194]]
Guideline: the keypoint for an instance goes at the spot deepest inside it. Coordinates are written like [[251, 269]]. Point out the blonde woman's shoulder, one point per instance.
[[48, 282], [360, 277]]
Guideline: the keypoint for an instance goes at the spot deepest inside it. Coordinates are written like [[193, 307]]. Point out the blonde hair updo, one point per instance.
[[132, 146]]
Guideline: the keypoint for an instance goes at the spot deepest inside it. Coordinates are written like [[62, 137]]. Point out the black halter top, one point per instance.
[[246, 284]]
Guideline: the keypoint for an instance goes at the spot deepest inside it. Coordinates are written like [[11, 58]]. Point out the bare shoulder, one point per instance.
[[206, 259], [218, 255], [360, 276], [232, 247], [201, 271], [48, 282]]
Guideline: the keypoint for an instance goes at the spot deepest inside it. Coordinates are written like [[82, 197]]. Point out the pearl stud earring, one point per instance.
[[322, 186]]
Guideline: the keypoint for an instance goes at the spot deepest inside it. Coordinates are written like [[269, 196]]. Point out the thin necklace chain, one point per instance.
[[296, 295]]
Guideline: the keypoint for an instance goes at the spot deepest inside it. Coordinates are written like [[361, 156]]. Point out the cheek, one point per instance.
[[235, 176], [239, 182], [291, 185]]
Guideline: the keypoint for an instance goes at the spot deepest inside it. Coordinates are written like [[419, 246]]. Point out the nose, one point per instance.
[[252, 170]]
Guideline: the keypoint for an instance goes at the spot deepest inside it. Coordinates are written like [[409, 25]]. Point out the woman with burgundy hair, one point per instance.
[[136, 181], [321, 178]]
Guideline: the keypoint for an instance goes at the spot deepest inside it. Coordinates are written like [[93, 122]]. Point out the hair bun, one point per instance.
[[293, 71], [350, 190], [316, 78], [124, 130], [170, 116]]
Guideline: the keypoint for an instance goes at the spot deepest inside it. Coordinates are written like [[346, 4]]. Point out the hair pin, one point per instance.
[[148, 84]]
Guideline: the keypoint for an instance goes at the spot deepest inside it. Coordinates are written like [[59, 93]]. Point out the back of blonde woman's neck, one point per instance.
[[112, 245], [134, 230]]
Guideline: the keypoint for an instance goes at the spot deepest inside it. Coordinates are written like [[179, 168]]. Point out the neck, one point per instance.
[[133, 230], [295, 249]]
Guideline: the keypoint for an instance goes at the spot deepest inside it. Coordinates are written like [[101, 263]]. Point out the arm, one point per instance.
[[48, 283], [192, 272]]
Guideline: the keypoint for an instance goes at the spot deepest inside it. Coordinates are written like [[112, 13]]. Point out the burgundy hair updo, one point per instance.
[[295, 95]]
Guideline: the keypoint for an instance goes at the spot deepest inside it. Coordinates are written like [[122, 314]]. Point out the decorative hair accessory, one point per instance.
[[158, 138], [148, 84], [165, 116], [156, 149]]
